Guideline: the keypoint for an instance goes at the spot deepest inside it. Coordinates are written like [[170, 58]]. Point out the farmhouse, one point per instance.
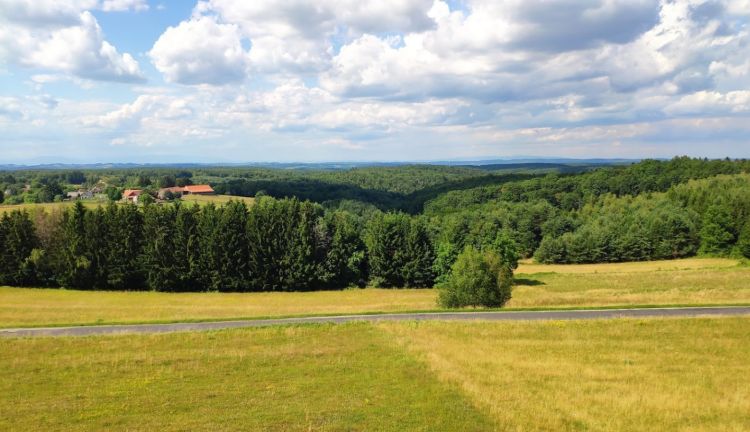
[[198, 190], [170, 192], [131, 195], [185, 190]]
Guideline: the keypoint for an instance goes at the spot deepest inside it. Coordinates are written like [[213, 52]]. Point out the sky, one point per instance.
[[222, 81]]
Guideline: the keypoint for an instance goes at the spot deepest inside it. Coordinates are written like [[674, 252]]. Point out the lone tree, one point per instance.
[[477, 278]]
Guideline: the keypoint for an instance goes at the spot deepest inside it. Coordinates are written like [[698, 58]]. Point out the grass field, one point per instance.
[[198, 199], [216, 199], [286, 378], [707, 281], [4, 208], [618, 375]]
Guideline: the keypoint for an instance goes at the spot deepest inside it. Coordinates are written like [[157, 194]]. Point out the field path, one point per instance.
[[434, 316]]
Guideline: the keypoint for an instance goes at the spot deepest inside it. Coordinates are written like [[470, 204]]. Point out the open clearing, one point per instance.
[[707, 282], [92, 204], [216, 199], [656, 374], [618, 375]]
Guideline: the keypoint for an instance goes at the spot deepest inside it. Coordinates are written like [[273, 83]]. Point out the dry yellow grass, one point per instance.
[[618, 375], [619, 285], [4, 208], [530, 267], [700, 286], [23, 306], [216, 199]]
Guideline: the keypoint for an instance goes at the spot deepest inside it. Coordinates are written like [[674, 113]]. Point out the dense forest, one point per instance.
[[410, 226]]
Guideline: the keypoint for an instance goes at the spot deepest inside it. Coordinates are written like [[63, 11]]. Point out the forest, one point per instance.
[[410, 226]]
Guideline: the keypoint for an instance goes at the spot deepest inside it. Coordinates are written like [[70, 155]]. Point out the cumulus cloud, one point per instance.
[[474, 75], [59, 37], [200, 51], [123, 5]]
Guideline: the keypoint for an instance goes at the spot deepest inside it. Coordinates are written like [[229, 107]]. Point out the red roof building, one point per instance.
[[198, 190], [131, 195]]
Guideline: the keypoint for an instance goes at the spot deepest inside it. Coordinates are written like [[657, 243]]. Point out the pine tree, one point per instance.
[[420, 257], [268, 230], [158, 248], [187, 249], [98, 245], [125, 248], [346, 260], [386, 248], [233, 269], [299, 266], [208, 255], [18, 240], [75, 259]]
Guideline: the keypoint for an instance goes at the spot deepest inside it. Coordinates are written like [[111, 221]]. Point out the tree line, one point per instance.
[[275, 245]]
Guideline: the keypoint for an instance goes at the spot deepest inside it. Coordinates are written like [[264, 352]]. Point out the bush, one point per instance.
[[477, 279], [743, 243]]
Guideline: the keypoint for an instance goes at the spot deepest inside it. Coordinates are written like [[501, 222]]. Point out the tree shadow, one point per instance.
[[527, 282]]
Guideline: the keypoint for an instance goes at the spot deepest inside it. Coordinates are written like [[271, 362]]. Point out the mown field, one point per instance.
[[617, 375], [92, 204], [682, 282]]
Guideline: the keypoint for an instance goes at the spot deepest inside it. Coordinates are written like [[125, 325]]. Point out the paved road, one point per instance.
[[437, 316]]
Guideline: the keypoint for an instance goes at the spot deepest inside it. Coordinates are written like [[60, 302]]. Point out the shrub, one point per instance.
[[743, 243], [477, 279]]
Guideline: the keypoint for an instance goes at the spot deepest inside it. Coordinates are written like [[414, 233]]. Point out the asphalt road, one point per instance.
[[437, 316]]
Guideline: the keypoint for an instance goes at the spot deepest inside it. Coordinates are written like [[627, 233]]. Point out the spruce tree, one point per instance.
[[18, 243], [187, 249], [420, 257], [126, 247], [233, 269], [75, 269], [386, 248], [158, 248]]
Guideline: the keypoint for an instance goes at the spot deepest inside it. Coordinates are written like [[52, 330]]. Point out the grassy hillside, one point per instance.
[[618, 375], [295, 378], [691, 281]]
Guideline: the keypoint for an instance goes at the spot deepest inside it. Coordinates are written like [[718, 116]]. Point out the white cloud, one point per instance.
[[53, 37], [123, 5], [200, 51]]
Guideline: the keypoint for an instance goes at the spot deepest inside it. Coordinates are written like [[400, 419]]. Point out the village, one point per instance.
[[169, 193]]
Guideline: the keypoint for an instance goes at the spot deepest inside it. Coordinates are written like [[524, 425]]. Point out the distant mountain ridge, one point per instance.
[[521, 162]]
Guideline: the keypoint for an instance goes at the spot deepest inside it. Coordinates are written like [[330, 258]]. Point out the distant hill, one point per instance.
[[488, 164]]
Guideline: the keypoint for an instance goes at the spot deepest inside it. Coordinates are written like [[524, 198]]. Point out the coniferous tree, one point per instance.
[[158, 249], [300, 268], [208, 255], [98, 246], [346, 261], [232, 269], [75, 260], [125, 248], [386, 248], [18, 241], [268, 230], [420, 257], [187, 249]]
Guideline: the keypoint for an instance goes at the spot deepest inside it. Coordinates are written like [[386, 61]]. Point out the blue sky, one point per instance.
[[359, 80]]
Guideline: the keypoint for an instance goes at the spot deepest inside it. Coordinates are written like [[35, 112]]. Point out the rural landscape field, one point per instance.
[[413, 215]]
